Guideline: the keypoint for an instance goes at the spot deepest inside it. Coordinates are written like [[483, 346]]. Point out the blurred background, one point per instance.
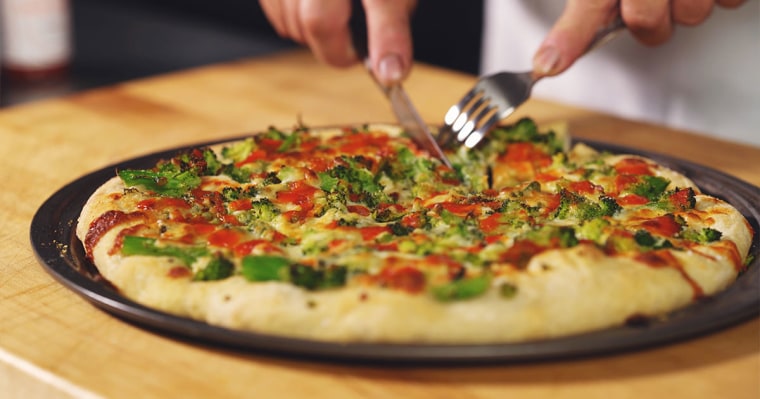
[[55, 47]]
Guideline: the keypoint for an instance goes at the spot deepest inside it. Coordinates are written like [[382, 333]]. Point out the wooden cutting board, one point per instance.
[[55, 344]]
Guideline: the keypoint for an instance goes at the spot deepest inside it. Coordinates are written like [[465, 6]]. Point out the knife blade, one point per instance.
[[412, 122], [402, 106]]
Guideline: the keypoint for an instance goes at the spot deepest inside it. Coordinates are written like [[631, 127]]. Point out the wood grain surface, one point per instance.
[[55, 344]]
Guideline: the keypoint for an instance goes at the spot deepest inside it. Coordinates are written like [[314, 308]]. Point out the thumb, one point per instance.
[[390, 38], [572, 34]]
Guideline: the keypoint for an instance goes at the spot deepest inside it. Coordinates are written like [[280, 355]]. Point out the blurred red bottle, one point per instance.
[[36, 39]]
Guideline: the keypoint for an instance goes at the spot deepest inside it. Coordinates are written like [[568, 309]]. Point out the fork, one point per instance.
[[496, 96]]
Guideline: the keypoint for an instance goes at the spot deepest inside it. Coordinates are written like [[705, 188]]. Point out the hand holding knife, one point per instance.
[[402, 106]]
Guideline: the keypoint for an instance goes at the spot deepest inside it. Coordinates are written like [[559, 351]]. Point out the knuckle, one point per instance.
[[641, 21], [318, 26], [691, 12]]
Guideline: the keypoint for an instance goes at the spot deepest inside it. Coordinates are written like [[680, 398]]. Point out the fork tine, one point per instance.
[[485, 111], [447, 134], [465, 123], [475, 137]]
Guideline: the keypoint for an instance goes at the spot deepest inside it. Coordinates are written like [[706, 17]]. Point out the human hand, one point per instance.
[[323, 26], [650, 21]]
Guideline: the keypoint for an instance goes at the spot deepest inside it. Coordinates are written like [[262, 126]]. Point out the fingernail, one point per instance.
[[390, 70], [546, 60]]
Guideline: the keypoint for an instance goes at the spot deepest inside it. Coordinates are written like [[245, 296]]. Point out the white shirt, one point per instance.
[[706, 79]]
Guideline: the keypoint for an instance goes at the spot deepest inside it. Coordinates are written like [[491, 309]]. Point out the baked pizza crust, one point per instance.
[[561, 292]]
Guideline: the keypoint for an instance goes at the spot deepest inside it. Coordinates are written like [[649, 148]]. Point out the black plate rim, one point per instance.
[[54, 244]]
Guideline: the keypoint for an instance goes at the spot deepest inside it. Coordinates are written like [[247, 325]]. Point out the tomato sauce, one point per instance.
[[584, 187], [243, 204], [267, 144], [682, 199], [404, 278], [632, 199], [358, 209], [633, 166], [664, 225], [622, 182], [526, 152], [491, 222], [103, 224], [179, 272], [162, 203], [370, 232], [661, 259], [298, 192], [224, 238], [521, 253], [255, 155], [362, 143]]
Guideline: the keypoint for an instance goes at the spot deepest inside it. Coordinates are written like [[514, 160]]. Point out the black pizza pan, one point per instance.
[[61, 254]]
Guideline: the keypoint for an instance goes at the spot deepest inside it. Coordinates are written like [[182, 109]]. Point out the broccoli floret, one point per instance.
[[549, 236], [327, 182], [275, 268], [265, 268], [651, 187], [647, 240], [274, 134], [264, 209], [288, 174], [218, 268], [703, 236], [235, 193], [507, 290], [239, 150], [231, 193], [240, 175], [213, 165], [290, 142], [608, 206], [271, 178], [566, 236], [593, 229], [336, 200], [313, 278], [409, 167], [398, 229], [386, 214], [573, 205], [132, 245], [466, 227], [359, 179], [166, 180], [533, 186], [525, 130], [461, 289]]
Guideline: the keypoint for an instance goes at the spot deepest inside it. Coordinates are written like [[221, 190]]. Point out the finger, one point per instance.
[[326, 30], [571, 35], [730, 3], [291, 10], [690, 12], [390, 38], [648, 20]]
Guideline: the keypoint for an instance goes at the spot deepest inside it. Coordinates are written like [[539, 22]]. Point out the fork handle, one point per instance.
[[608, 31]]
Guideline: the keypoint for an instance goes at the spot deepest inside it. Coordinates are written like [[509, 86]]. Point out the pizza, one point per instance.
[[356, 234]]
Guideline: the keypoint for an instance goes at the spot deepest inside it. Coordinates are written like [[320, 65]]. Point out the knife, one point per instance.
[[402, 106]]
